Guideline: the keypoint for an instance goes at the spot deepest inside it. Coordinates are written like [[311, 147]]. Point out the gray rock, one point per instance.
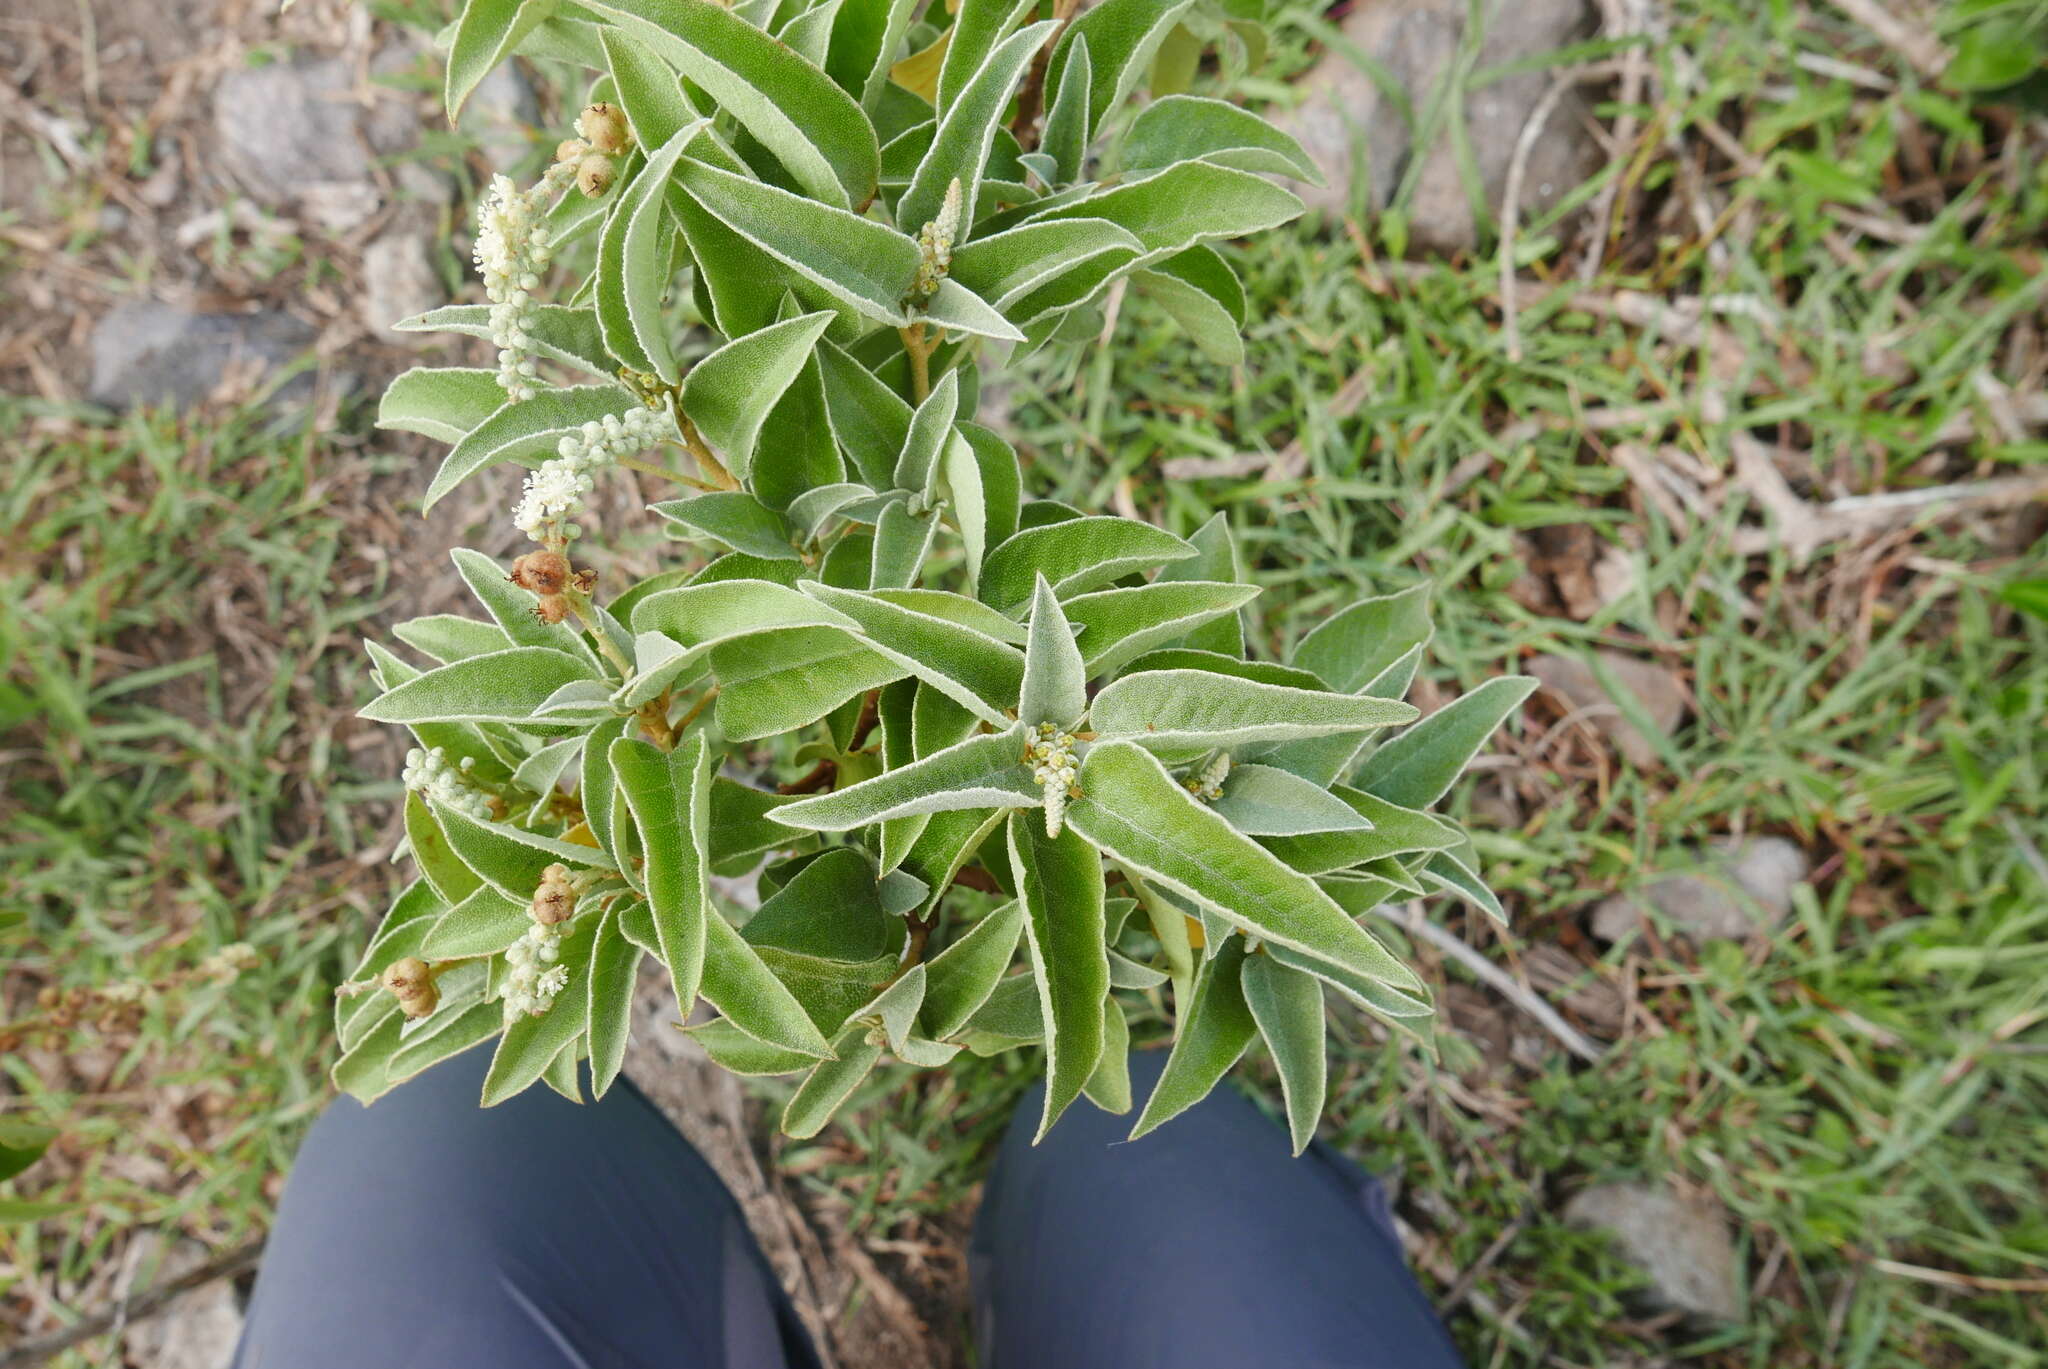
[[399, 281], [1658, 691], [284, 128], [1680, 1244], [502, 114], [145, 352], [1344, 120], [196, 1331], [1742, 888]]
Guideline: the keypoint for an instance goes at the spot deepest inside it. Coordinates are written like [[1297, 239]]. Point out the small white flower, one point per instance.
[[434, 776], [1053, 750]]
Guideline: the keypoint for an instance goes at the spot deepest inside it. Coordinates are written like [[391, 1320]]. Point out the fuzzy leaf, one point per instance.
[[1181, 713], [1172, 210], [1070, 122], [973, 669], [830, 1083], [931, 427], [1212, 1034], [668, 794], [436, 859], [445, 403], [779, 681], [1144, 820], [524, 430], [530, 1044], [1007, 266], [1055, 686], [1391, 831], [614, 964], [485, 34], [986, 771], [1352, 646], [633, 265], [729, 394], [1184, 128], [1075, 554], [556, 331], [813, 128], [962, 976], [1416, 768], [1288, 1007], [484, 923], [503, 686], [1059, 886], [967, 127], [1120, 624], [1109, 1088], [1121, 36], [732, 1049]]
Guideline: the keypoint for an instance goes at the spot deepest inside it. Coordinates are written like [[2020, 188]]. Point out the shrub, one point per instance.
[[956, 728]]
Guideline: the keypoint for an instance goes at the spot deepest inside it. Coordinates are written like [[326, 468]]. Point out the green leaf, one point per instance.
[[1144, 820], [978, 25], [1070, 123], [793, 109], [1172, 210], [961, 977], [511, 607], [1004, 267], [1055, 688], [931, 427], [741, 986], [1118, 625], [894, 1009], [503, 686], [1391, 831], [1200, 302], [1449, 870], [868, 265], [1265, 801], [973, 669], [445, 403], [485, 922], [531, 1044], [1059, 885], [668, 794], [1213, 1033], [485, 34], [1109, 1088], [1121, 36], [1183, 128], [1386, 1003], [1288, 1007], [447, 637], [967, 128], [871, 419], [830, 1083], [959, 309], [614, 966], [1416, 768], [1182, 713], [733, 1050], [524, 430], [555, 331], [1075, 554], [986, 771], [779, 681], [1353, 645], [737, 519], [648, 90], [730, 393], [436, 859], [865, 39], [805, 458], [509, 858], [902, 541], [949, 840], [979, 479], [956, 608], [22, 1143], [634, 265]]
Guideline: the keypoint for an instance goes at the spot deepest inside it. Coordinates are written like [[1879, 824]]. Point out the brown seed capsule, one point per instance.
[[555, 900], [412, 984], [543, 572], [605, 126], [571, 150], [594, 175], [552, 608]]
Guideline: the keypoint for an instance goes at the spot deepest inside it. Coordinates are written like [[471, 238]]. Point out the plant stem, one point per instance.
[[920, 360], [649, 468], [579, 604], [693, 441]]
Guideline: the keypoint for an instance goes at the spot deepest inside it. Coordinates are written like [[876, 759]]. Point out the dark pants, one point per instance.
[[427, 1232]]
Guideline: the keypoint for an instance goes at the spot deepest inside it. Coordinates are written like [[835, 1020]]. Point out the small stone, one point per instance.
[[1681, 1244], [283, 127], [199, 1330], [1346, 125], [145, 352], [1659, 692], [1743, 888], [398, 282], [502, 114]]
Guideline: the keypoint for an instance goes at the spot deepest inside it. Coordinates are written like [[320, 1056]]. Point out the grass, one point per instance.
[[1866, 1092]]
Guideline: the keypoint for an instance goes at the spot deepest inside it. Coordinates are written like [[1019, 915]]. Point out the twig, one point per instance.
[[1511, 196], [1408, 917], [1948, 1278], [1927, 54], [131, 1310]]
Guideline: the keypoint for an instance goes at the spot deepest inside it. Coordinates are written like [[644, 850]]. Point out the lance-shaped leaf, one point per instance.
[[741, 986], [1183, 128], [1202, 294], [1172, 210], [949, 840], [503, 686], [436, 859], [558, 332], [830, 1083], [865, 39], [1266, 801], [1352, 646], [1059, 885], [957, 608], [894, 1009], [729, 394], [967, 128], [917, 465], [1416, 768], [1075, 554], [1147, 822], [1213, 1032], [446, 637], [509, 858], [1391, 831], [869, 265], [826, 935], [634, 267], [1181, 713], [1055, 681], [442, 402], [484, 923], [737, 519], [962, 976], [1070, 122], [676, 628], [979, 479], [1004, 267], [524, 430], [960, 310], [1288, 1007], [733, 1050], [973, 669], [987, 771], [1109, 1088], [902, 541], [813, 128], [1121, 36], [779, 681], [1118, 625], [1390, 1005], [647, 89], [978, 25], [870, 419], [1454, 871], [530, 1044], [486, 32], [668, 794], [614, 963]]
